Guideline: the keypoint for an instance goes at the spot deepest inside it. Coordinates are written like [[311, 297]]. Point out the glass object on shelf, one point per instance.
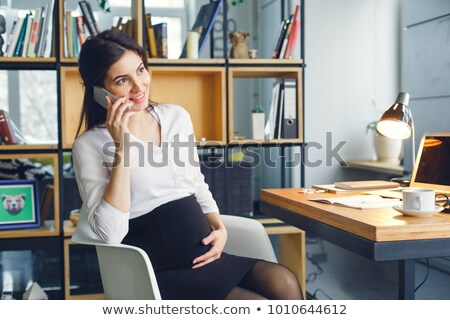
[[30, 98]]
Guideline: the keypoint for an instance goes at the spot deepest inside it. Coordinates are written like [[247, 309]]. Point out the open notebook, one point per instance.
[[360, 202], [431, 170]]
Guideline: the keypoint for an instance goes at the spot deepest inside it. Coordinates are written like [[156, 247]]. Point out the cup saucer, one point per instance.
[[418, 213]]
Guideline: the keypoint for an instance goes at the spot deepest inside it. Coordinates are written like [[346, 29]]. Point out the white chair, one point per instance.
[[127, 272]]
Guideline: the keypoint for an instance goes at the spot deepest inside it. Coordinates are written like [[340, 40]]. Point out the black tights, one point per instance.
[[267, 280]]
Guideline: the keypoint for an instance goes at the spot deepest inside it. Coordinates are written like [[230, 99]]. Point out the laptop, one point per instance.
[[431, 170]]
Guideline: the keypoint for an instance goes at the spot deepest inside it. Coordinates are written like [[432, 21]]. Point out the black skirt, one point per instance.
[[171, 235]]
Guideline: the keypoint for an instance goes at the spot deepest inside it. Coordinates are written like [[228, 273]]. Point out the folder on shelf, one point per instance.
[[289, 124]]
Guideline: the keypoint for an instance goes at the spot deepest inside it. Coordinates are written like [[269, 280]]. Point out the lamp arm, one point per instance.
[[413, 145]]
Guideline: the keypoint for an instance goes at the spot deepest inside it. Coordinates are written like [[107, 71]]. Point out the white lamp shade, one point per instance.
[[394, 129]]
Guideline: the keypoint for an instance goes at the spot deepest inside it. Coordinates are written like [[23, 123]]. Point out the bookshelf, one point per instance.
[[204, 87]]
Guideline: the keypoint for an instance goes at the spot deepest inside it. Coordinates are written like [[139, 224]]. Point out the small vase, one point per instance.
[[387, 150], [258, 126]]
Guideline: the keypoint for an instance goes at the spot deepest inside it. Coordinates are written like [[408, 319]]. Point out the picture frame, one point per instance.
[[19, 208], [203, 23]]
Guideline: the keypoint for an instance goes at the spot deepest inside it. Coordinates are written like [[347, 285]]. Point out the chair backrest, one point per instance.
[[127, 273], [248, 238]]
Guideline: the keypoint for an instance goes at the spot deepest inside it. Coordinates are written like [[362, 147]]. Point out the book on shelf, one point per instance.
[[21, 38], [293, 35], [69, 33], [161, 39], [280, 53], [80, 29], [75, 38], [282, 120], [26, 40], [46, 21], [203, 23], [280, 110], [89, 18], [281, 35], [14, 37], [150, 35], [269, 129], [130, 28], [9, 132], [360, 202], [34, 37], [118, 24], [47, 40], [10, 36]]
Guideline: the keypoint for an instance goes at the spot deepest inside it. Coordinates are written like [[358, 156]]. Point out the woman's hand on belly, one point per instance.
[[217, 239]]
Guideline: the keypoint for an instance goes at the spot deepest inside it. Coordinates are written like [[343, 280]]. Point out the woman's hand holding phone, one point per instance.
[[117, 118]]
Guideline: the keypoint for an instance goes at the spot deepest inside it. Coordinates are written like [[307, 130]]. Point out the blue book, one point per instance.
[[19, 46], [204, 21]]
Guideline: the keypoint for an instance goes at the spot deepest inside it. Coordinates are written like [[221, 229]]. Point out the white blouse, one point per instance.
[[158, 175]]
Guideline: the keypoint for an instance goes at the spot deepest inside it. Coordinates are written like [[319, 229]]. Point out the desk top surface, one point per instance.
[[374, 224]]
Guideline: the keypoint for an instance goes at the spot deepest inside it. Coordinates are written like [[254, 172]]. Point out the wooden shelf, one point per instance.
[[47, 230], [28, 147], [267, 72], [377, 166], [264, 142], [265, 62], [178, 62], [51, 227], [71, 103], [68, 228], [201, 91], [27, 60]]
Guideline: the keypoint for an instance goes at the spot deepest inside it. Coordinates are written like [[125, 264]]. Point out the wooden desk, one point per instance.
[[377, 234]]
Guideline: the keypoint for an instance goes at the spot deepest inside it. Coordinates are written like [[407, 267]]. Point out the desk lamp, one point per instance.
[[397, 122]]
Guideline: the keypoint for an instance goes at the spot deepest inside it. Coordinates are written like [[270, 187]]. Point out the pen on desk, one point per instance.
[[310, 191]]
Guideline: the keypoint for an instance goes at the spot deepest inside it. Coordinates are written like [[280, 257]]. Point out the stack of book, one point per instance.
[[78, 28], [125, 25], [282, 120], [31, 36], [156, 35], [287, 37]]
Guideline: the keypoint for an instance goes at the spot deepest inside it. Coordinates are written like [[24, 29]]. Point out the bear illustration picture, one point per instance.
[[19, 209], [13, 203]]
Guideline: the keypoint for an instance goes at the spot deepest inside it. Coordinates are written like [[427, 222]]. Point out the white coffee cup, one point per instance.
[[419, 199]]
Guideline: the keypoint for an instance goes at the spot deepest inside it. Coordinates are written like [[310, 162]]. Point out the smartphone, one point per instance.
[[100, 94]]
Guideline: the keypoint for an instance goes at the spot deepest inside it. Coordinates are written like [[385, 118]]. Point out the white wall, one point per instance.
[[352, 75]]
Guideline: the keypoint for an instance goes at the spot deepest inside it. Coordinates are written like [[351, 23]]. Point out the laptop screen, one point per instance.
[[432, 168]]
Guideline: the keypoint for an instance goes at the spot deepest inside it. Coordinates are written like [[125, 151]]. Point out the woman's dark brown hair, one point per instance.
[[97, 55]]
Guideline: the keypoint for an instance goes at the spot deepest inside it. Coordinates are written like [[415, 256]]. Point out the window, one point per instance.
[[30, 99]]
